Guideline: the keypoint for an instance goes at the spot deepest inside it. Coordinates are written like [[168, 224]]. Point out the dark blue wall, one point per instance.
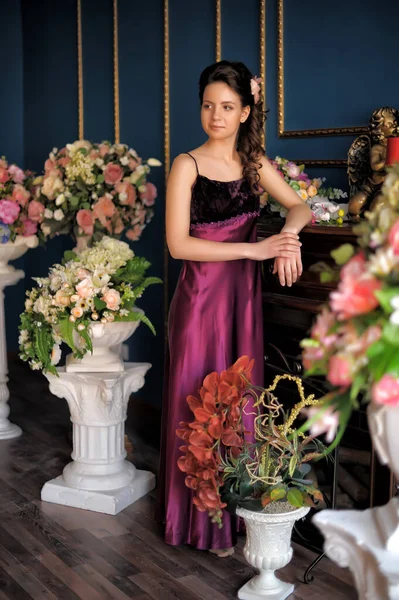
[[339, 66]]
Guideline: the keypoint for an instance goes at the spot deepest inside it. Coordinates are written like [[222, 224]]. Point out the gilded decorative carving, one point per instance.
[[366, 161], [262, 55], [166, 159], [218, 30], [116, 74], [280, 87], [80, 71], [335, 163]]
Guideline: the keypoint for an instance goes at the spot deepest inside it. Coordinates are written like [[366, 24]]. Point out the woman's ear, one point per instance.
[[245, 113]]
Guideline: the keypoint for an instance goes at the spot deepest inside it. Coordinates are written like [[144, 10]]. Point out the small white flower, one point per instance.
[[154, 162], [383, 261], [133, 153], [394, 318], [55, 354], [54, 150], [124, 160], [142, 189], [72, 319], [123, 196], [325, 217], [94, 316], [81, 326], [94, 196], [51, 155], [99, 162], [23, 337], [58, 215], [123, 312], [60, 200], [48, 213]]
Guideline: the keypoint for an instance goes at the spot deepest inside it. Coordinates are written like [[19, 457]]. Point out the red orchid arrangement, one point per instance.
[[224, 467], [354, 342], [217, 425]]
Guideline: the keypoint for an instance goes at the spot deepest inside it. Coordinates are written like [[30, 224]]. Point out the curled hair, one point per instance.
[[377, 120], [249, 141]]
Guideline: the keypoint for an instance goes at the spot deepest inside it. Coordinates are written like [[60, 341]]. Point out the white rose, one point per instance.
[[55, 354], [58, 215], [154, 162], [124, 161], [60, 199], [99, 162], [45, 228], [123, 196], [325, 217], [48, 214]]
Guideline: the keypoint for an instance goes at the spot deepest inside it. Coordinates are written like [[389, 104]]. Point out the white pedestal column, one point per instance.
[[8, 276], [99, 478], [364, 542]]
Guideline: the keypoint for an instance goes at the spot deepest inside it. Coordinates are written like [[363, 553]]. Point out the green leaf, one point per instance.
[[326, 277], [342, 254], [85, 335], [292, 464], [86, 205], [295, 497], [390, 333], [357, 385], [99, 304], [42, 348], [68, 255], [254, 504], [100, 179], [74, 201], [66, 329], [385, 296], [278, 493]]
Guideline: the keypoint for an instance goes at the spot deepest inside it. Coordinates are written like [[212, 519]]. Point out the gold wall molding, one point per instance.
[[116, 73], [262, 57], [282, 133], [80, 71], [336, 163], [166, 108], [218, 30]]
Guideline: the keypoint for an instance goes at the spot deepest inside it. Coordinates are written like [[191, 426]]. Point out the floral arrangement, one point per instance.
[[90, 190], [101, 283], [20, 213], [224, 468], [324, 201], [355, 340]]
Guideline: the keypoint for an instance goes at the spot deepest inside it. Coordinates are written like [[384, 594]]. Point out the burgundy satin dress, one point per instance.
[[215, 317]]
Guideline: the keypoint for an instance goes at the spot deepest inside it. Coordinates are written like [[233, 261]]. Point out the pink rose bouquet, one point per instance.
[[98, 284], [91, 190], [20, 213], [322, 200], [354, 342]]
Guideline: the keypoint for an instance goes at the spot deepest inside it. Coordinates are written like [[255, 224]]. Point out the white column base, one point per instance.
[[247, 592], [8, 430], [108, 502]]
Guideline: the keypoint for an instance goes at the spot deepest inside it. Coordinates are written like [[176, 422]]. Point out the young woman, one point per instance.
[[212, 206]]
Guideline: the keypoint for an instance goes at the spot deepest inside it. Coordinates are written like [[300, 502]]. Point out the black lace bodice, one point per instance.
[[214, 201]]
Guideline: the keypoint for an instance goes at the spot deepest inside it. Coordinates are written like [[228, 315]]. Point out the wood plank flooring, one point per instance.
[[50, 552]]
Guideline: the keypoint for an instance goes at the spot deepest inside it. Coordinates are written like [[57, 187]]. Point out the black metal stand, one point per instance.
[[308, 578]]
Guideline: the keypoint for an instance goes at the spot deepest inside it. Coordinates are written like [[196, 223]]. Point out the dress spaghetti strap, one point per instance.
[[196, 165]]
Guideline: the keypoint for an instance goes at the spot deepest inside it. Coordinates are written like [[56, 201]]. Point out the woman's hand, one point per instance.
[[283, 245], [289, 269]]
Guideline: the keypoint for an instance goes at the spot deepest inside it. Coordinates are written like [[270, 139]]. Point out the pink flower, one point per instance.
[[85, 288], [134, 234], [148, 197], [9, 211], [112, 299], [20, 194], [63, 161], [327, 423], [386, 391], [356, 292], [28, 227], [340, 370], [49, 166], [311, 355], [103, 210], [325, 320], [113, 173], [118, 226], [16, 173], [4, 177], [133, 163], [85, 220], [293, 170], [126, 189], [393, 237], [36, 211], [103, 149]]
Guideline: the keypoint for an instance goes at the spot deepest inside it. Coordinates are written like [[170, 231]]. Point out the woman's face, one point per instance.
[[221, 111]]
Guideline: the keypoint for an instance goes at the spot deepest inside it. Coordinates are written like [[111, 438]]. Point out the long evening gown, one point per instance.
[[215, 317]]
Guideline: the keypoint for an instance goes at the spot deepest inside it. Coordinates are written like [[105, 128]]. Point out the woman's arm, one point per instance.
[[183, 246]]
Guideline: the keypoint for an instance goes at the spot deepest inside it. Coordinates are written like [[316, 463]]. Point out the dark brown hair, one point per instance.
[[249, 141]]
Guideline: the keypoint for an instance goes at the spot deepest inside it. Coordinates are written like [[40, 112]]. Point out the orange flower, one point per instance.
[[243, 366]]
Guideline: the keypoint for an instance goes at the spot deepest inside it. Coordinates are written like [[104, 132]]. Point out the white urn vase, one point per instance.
[[9, 276], [367, 541], [107, 340], [267, 548]]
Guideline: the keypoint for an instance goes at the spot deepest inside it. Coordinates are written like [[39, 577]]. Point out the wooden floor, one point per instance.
[[53, 552]]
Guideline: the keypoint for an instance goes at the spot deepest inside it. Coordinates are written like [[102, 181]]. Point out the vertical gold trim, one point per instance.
[[80, 71], [116, 76], [218, 30], [280, 66], [166, 160], [262, 57]]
